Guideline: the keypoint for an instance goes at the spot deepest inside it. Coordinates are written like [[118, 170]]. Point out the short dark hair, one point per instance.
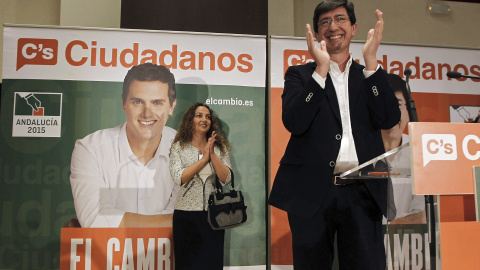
[[398, 84], [329, 5], [149, 72]]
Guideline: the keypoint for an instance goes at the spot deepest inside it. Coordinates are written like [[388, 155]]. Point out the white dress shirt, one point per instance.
[[108, 180], [347, 157]]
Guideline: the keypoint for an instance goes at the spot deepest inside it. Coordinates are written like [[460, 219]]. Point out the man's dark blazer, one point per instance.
[[312, 116]]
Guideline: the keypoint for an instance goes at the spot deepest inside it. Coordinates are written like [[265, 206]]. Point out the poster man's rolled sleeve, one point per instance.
[[93, 201]]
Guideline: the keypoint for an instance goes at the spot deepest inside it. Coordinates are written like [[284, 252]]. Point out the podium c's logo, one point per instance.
[[444, 147], [438, 147]]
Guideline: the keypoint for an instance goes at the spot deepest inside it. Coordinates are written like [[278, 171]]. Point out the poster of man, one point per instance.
[[120, 176]]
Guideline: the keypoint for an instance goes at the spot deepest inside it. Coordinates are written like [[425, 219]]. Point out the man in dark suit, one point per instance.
[[334, 109]]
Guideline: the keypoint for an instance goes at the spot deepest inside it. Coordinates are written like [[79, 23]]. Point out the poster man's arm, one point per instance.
[[417, 218], [161, 220], [138, 220]]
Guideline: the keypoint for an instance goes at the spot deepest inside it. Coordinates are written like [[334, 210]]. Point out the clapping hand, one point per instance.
[[210, 144], [374, 38], [320, 55]]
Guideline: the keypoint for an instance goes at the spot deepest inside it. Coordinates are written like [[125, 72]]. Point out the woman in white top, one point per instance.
[[199, 154]]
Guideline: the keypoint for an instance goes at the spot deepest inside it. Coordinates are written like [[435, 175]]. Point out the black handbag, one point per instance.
[[226, 209]]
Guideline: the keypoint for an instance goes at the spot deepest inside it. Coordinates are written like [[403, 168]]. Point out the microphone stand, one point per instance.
[[471, 77], [429, 202], [412, 110]]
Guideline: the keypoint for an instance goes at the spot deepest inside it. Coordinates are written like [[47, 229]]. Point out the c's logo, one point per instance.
[[32, 51], [438, 147]]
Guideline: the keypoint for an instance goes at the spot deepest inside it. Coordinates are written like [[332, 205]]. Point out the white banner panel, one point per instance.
[[106, 55], [429, 65], [62, 84]]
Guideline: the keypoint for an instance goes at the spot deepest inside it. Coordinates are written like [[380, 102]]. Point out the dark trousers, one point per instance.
[[350, 212], [195, 244]]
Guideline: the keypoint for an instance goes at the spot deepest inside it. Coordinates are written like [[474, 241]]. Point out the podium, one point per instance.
[[392, 164], [440, 160], [408, 234], [443, 159]]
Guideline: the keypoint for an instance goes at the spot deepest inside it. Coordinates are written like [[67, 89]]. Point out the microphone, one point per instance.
[[456, 75], [407, 72]]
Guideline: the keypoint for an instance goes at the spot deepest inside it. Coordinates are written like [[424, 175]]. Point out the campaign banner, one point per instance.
[[62, 84], [429, 65], [116, 248], [437, 99], [57, 54], [408, 247]]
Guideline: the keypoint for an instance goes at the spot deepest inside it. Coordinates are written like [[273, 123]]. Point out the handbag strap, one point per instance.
[[219, 186]]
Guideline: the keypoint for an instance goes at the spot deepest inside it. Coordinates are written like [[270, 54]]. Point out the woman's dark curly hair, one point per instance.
[[185, 130]]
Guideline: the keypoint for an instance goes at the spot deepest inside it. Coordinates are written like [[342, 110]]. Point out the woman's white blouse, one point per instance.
[[193, 195], [206, 171]]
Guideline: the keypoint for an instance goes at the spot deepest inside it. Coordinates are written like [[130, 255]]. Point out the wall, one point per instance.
[[44, 12], [58, 12], [92, 13], [406, 22], [217, 16]]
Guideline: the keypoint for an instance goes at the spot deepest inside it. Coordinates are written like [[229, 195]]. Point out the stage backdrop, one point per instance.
[[437, 98], [75, 76]]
